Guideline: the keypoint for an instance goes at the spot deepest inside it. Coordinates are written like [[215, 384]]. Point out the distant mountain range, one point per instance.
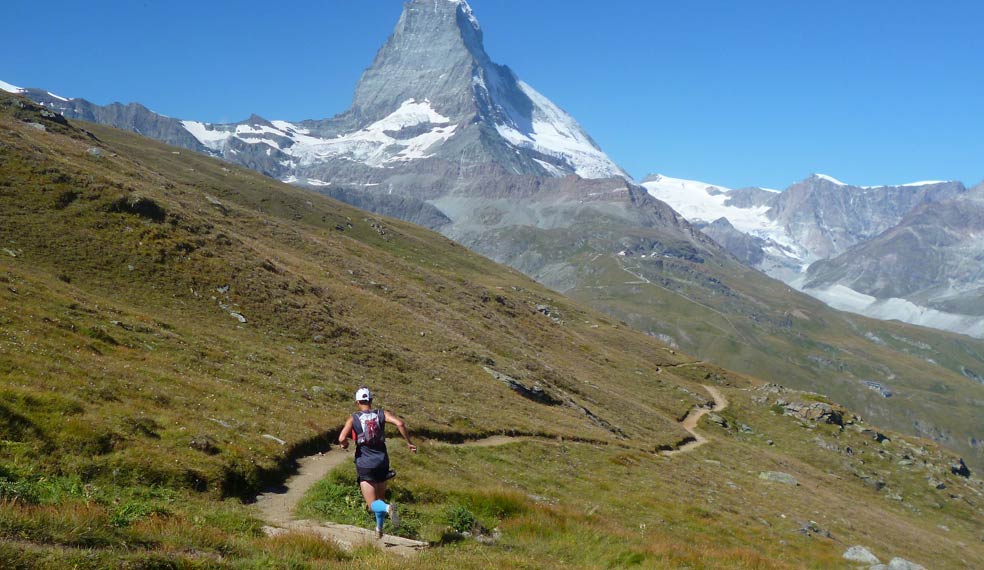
[[441, 136], [911, 252]]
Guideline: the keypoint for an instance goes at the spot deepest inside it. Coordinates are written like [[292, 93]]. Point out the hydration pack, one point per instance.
[[369, 428]]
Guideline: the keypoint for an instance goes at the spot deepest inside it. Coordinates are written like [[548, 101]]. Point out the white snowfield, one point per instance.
[[551, 132], [555, 133], [10, 88], [830, 179], [702, 202], [847, 299], [906, 185], [376, 145]]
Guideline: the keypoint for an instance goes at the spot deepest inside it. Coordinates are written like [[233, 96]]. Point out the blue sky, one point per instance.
[[734, 93]]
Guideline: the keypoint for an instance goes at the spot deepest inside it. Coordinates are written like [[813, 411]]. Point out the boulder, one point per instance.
[[861, 554], [903, 564], [716, 419], [960, 468], [778, 477]]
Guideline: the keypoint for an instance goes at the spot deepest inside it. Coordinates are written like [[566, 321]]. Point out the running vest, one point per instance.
[[369, 432]]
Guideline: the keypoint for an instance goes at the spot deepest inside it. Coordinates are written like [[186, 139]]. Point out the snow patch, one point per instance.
[[553, 132], [374, 145], [846, 299], [206, 134], [909, 184], [830, 179], [10, 88], [703, 202]]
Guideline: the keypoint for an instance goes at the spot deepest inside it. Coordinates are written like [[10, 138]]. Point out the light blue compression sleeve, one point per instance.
[[379, 508]]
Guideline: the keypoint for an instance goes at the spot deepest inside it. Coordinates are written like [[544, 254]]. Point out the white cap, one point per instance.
[[363, 395]]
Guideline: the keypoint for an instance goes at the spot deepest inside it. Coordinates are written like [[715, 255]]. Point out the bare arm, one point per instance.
[[400, 425], [343, 437]]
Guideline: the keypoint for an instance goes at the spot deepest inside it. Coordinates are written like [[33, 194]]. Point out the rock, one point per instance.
[[936, 483], [239, 317], [223, 289], [745, 429], [205, 444], [38, 126], [879, 437], [778, 477], [960, 468], [903, 564], [861, 554], [875, 484], [274, 438], [716, 419], [883, 390], [95, 151], [813, 529]]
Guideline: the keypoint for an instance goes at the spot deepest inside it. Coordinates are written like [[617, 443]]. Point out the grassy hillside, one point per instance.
[[761, 327], [174, 331]]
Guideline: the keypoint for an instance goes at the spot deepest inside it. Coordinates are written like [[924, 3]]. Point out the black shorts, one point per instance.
[[376, 475]]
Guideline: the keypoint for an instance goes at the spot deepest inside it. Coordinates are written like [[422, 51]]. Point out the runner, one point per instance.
[[368, 428]]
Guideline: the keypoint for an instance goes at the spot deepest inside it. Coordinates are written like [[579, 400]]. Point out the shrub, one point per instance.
[[460, 519]]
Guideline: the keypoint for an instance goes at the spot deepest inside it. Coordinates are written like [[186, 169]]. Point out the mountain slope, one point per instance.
[[927, 269], [604, 241], [826, 216], [175, 330]]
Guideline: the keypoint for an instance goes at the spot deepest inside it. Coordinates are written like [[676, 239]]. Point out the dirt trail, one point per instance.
[[277, 506], [693, 417]]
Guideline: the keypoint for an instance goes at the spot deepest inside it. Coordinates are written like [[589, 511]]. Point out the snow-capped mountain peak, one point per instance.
[[830, 179]]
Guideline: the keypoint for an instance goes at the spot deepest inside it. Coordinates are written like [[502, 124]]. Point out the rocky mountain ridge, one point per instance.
[[852, 247]]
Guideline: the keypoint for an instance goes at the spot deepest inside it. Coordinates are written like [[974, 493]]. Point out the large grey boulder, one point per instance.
[[778, 477], [861, 554], [899, 564]]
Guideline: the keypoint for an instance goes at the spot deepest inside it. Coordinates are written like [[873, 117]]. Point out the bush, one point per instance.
[[460, 519]]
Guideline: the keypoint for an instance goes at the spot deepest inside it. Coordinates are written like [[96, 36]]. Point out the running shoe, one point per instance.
[[394, 514]]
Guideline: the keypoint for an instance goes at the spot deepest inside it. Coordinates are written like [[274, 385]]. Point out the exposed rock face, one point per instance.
[[751, 197], [930, 265], [747, 248], [132, 117], [827, 217]]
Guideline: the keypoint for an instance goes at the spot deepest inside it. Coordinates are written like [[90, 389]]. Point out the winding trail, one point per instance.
[[277, 506], [693, 417]]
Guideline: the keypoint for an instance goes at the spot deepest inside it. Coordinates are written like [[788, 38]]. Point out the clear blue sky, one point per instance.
[[732, 92]]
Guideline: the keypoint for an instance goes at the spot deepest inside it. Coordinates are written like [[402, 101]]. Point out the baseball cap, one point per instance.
[[363, 395]]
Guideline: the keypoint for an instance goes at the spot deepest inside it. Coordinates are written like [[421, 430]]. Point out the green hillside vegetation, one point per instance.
[[802, 343], [174, 331]]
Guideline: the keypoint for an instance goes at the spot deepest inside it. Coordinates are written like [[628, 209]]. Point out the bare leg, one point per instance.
[[372, 491]]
